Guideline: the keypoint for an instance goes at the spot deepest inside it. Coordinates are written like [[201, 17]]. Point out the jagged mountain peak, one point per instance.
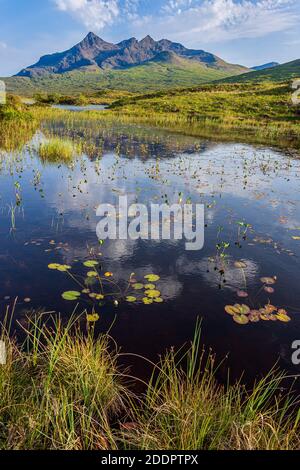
[[96, 54]]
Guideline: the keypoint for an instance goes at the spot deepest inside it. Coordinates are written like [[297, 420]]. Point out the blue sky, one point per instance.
[[249, 32]]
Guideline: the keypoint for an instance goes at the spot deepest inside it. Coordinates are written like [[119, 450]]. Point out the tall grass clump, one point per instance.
[[185, 408], [60, 390], [58, 150]]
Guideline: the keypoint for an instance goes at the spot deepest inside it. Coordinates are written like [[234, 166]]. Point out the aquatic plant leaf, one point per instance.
[[71, 295], [270, 309], [158, 300], [147, 301], [53, 266], [93, 318], [244, 309], [240, 264], [138, 286], [59, 267], [269, 290], [63, 268], [152, 294], [242, 294], [150, 286], [231, 310], [130, 298], [296, 238], [90, 264], [268, 280], [241, 319], [265, 316], [92, 274], [152, 277], [283, 317], [254, 317]]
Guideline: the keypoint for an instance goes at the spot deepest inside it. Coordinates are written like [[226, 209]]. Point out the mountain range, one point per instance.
[[269, 65], [94, 54], [94, 65]]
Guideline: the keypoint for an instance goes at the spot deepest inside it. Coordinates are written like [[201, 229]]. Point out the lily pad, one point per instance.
[[152, 294], [240, 264], [90, 264], [59, 267], [53, 266], [147, 301], [241, 319], [268, 280], [283, 316], [130, 298], [231, 310], [242, 294], [269, 289], [150, 286], [108, 274], [71, 295], [92, 274], [158, 300], [138, 286], [152, 277]]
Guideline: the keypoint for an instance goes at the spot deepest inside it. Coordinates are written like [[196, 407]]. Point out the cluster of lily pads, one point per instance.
[[94, 287], [242, 314], [147, 293]]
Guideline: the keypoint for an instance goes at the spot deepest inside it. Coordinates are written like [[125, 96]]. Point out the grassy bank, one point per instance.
[[254, 113], [17, 124], [62, 389]]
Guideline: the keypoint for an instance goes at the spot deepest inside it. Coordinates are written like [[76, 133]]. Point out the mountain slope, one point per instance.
[[95, 54], [282, 72], [269, 65], [166, 71]]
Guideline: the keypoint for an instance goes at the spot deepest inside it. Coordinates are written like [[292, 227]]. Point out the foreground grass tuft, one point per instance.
[[62, 390]]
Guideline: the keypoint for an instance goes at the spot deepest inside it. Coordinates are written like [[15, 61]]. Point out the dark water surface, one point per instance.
[[55, 222]]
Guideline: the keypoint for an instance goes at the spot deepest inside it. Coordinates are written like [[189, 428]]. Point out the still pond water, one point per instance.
[[252, 214]]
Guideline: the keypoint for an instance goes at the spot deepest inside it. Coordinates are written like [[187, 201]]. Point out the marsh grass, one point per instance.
[[186, 408], [57, 150], [255, 113], [17, 125], [62, 389]]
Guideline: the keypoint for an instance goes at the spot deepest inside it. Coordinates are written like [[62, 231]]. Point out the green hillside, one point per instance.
[[148, 77], [280, 73]]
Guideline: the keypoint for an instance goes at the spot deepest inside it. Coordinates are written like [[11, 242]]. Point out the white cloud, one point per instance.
[[221, 20], [3, 45], [192, 22], [94, 14]]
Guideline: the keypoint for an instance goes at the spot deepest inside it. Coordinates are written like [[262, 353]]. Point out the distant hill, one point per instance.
[[279, 73], [95, 54], [265, 66]]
